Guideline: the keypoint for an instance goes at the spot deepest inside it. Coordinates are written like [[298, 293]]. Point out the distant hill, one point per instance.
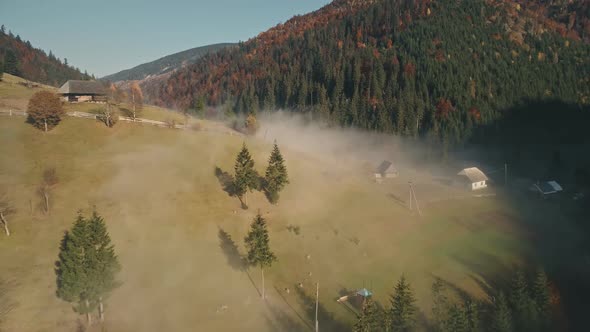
[[20, 58], [165, 64], [425, 68]]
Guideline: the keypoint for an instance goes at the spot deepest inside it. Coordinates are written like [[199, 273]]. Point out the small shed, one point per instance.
[[474, 178], [546, 188], [386, 170], [80, 91]]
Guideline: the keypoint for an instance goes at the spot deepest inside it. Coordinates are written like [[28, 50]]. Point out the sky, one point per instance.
[[104, 37]]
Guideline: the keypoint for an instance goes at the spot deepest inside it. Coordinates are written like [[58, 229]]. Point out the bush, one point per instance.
[[45, 110]]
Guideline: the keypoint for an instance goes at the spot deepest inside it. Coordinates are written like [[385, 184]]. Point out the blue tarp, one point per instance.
[[364, 292]]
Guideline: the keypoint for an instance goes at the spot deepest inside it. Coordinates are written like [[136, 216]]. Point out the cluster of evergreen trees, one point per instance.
[[20, 58], [527, 307], [247, 179], [87, 266], [390, 67]]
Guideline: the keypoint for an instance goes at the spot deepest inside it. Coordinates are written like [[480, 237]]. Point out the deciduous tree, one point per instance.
[[6, 209], [48, 180], [136, 99], [45, 110], [258, 245]]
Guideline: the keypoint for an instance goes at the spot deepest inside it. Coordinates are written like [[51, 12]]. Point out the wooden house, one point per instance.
[[82, 91]]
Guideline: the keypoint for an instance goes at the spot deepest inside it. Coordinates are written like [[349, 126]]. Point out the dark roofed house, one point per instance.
[[546, 188], [474, 178], [80, 91], [385, 170]]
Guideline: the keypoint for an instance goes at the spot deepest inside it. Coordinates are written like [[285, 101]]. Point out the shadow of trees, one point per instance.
[[326, 319], [226, 181], [230, 250], [281, 321], [6, 304]]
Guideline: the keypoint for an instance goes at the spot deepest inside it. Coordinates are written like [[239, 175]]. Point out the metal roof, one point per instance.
[[474, 174], [549, 187], [386, 167], [82, 88], [364, 292]]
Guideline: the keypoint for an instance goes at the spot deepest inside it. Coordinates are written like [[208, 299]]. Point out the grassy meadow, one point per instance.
[[179, 235]]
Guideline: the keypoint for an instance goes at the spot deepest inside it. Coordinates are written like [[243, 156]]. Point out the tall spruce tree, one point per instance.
[[11, 63], [523, 307], [246, 178], [87, 266], [276, 176], [501, 319], [440, 304], [402, 314], [542, 299], [258, 245], [103, 262], [370, 319]]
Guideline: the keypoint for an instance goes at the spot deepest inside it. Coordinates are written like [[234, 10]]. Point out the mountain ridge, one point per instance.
[[165, 64]]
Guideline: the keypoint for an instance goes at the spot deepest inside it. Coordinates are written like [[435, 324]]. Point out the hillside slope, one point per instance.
[[165, 64], [20, 58], [417, 68]]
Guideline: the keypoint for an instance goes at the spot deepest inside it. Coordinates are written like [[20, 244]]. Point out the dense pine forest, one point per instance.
[[432, 69], [20, 58]]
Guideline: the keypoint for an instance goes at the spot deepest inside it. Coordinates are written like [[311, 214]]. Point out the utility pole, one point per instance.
[[317, 295], [505, 175], [413, 195]]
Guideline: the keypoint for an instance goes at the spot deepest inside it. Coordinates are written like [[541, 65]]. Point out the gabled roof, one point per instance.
[[386, 167], [474, 174], [549, 187], [82, 88]]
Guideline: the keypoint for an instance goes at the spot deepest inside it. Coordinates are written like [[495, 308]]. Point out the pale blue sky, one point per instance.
[[107, 36]]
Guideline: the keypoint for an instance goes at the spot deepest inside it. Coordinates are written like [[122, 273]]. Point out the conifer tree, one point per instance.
[[501, 320], [472, 313], [440, 304], [276, 176], [523, 307], [246, 178], [87, 266], [542, 299], [102, 261], [403, 309], [457, 319], [257, 243], [370, 319]]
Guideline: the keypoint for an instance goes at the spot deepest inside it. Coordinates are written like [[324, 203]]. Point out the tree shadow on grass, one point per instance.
[[226, 181], [230, 250], [281, 321], [326, 319]]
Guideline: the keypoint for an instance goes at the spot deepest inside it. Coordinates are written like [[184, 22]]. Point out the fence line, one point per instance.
[[162, 124]]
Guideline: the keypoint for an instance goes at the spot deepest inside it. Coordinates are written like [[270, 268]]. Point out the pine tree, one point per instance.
[[257, 243], [246, 178], [522, 305], [501, 320], [72, 274], [102, 260], [87, 266], [542, 299], [472, 314], [370, 319], [403, 309], [276, 176], [456, 320], [11, 63], [440, 305]]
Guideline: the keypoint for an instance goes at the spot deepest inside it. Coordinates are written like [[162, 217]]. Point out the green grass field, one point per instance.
[[167, 212], [179, 235]]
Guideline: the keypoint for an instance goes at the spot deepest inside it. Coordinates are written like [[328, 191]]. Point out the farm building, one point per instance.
[[80, 91], [385, 170], [546, 188], [474, 178]]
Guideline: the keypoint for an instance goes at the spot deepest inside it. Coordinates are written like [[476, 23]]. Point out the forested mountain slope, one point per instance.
[[165, 64], [433, 68], [20, 58]]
